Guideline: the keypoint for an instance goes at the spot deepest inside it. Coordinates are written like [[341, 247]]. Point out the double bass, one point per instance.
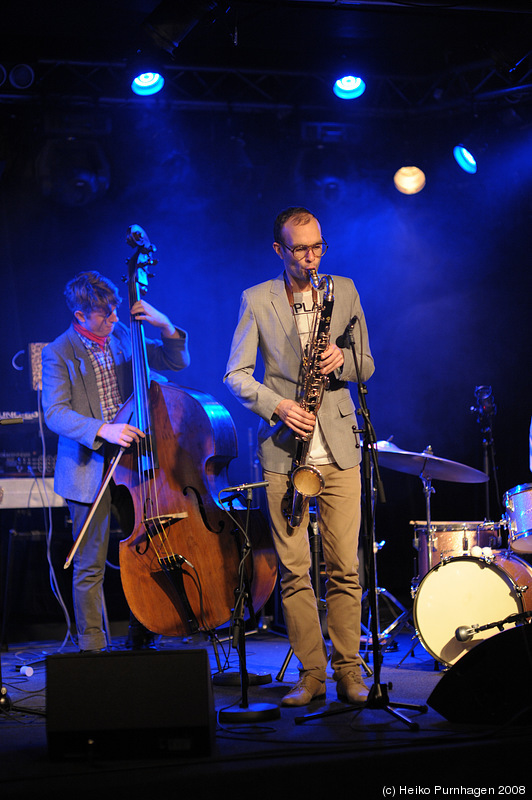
[[183, 556]]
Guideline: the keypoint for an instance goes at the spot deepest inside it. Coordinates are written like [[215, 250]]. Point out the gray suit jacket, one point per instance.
[[266, 323], [72, 406]]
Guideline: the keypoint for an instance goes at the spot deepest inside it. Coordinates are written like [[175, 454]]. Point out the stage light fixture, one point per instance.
[[21, 76], [465, 159], [3, 75], [170, 22], [73, 172], [145, 84], [349, 87], [409, 180]]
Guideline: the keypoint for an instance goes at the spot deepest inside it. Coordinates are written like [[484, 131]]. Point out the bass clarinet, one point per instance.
[[305, 479]]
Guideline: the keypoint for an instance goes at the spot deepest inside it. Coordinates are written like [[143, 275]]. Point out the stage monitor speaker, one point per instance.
[[491, 684], [143, 704]]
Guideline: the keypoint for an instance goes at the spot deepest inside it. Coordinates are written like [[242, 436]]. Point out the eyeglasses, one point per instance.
[[100, 312], [300, 250]]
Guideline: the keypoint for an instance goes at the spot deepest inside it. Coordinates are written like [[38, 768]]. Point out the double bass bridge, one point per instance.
[[173, 564]]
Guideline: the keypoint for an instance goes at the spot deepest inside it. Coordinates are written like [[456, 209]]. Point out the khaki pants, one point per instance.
[[339, 523]]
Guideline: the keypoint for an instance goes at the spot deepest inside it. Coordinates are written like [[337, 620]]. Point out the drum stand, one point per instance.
[[386, 636], [428, 490], [378, 694]]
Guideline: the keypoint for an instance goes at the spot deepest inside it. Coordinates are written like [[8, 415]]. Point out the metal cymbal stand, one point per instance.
[[386, 636], [394, 628], [428, 490]]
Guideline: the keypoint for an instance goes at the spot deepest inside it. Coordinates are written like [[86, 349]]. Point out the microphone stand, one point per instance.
[[246, 712], [485, 411], [378, 694], [464, 634], [5, 700]]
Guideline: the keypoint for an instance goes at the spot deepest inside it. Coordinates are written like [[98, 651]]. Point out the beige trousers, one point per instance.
[[338, 523]]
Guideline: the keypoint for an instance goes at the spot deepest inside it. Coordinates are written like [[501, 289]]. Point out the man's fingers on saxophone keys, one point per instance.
[[332, 359]]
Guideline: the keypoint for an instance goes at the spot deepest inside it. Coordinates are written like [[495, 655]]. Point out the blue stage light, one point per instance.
[[147, 83], [349, 87], [465, 159]]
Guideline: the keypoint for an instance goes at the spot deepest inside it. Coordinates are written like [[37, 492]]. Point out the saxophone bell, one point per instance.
[[307, 480]]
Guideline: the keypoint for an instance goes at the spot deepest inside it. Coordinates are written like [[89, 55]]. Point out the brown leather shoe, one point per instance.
[[306, 689], [352, 689]]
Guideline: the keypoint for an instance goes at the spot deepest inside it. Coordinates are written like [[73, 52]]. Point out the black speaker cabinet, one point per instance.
[[490, 684], [141, 704]]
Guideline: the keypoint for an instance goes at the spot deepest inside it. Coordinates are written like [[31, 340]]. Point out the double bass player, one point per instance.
[[86, 377]]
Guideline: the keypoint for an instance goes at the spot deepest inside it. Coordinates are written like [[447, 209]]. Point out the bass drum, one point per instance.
[[468, 591]]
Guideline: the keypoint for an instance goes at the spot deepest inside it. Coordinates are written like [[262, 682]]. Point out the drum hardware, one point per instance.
[[388, 635]]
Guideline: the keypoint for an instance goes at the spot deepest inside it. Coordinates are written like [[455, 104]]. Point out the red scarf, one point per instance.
[[100, 340]]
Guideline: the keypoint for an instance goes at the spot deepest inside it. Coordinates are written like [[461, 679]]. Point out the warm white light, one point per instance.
[[409, 180]]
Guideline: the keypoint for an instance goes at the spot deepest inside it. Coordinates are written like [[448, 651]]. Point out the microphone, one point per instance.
[[182, 560], [346, 337], [464, 634], [243, 486]]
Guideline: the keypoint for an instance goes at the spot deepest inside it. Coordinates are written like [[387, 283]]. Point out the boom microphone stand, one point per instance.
[[378, 694], [485, 410]]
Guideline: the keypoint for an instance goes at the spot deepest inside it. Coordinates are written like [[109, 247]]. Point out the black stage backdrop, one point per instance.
[[444, 275]]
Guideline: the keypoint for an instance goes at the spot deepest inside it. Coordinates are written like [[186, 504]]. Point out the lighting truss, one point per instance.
[[254, 90]]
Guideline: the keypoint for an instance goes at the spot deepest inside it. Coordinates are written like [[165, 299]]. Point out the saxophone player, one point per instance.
[[276, 318]]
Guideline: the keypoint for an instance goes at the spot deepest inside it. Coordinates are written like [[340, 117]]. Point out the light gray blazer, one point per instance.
[[72, 405], [266, 324]]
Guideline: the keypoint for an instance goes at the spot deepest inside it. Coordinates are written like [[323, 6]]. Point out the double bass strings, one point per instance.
[[145, 448]]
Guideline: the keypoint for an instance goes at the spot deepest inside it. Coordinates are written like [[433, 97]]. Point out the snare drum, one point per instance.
[[518, 505], [467, 592], [450, 539]]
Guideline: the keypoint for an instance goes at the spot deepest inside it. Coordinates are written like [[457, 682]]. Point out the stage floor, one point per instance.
[[369, 750]]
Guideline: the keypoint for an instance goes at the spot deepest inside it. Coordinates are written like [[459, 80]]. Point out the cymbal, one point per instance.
[[427, 466]]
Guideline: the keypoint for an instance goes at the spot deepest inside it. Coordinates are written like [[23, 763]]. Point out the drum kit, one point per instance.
[[473, 578]]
